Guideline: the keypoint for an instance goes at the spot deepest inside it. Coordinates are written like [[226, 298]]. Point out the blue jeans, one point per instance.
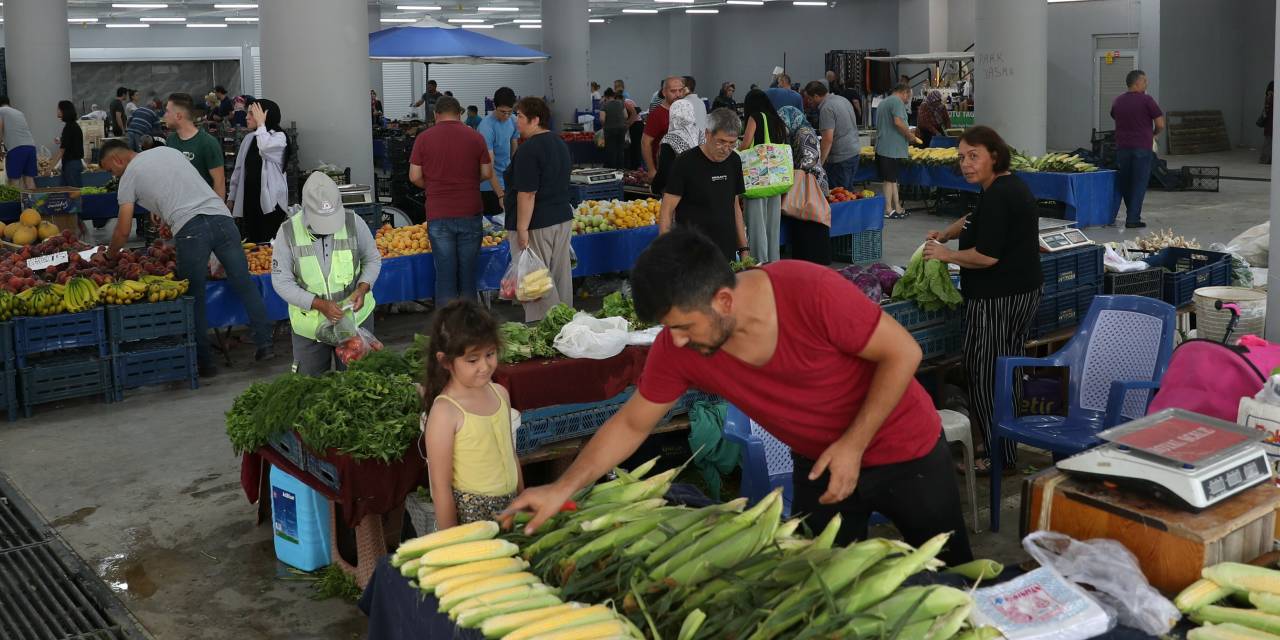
[[217, 235], [1134, 172], [72, 173], [840, 174], [455, 245]]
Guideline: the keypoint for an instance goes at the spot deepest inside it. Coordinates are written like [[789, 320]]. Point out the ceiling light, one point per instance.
[[477, 26], [528, 21], [139, 5], [465, 20], [82, 20], [235, 6], [754, 3], [498, 8], [639, 10], [596, 21], [163, 19], [130, 25], [241, 19], [800, 3], [702, 11], [417, 7], [675, 1], [207, 25], [530, 26], [394, 20]]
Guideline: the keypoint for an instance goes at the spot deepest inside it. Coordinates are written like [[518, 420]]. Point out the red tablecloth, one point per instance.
[[366, 487], [543, 383]]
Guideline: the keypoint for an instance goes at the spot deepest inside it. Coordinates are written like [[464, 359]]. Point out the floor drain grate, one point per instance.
[[19, 526]]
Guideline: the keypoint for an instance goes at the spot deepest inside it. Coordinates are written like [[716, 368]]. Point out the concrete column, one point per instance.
[[565, 39], [40, 75], [375, 68], [922, 28], [315, 65], [1273, 292], [1011, 65]]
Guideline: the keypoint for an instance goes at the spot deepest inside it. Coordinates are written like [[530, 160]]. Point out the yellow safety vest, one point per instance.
[[341, 282]]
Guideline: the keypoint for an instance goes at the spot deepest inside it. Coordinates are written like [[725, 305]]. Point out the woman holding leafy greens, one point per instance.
[[999, 259]]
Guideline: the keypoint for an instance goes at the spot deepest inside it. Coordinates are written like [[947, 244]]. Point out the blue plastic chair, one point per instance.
[[1121, 348], [766, 462]]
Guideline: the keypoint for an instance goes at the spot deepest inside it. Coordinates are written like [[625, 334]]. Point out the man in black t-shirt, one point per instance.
[[115, 113], [704, 184]]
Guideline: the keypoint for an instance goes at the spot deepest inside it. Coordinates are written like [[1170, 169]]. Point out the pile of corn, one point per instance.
[[1233, 601], [722, 571]]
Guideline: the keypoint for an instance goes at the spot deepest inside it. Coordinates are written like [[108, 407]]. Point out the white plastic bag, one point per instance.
[[527, 279], [1112, 572], [1252, 244], [589, 337]]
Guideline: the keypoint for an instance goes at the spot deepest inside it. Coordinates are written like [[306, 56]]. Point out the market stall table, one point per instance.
[[100, 206], [547, 382]]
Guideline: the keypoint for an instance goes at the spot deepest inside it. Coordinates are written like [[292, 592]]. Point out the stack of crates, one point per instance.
[[8, 373], [61, 357], [371, 213], [940, 333], [1071, 280], [579, 193], [858, 248], [152, 343]]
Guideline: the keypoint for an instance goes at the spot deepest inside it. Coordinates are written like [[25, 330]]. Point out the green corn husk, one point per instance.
[[1246, 617], [980, 633], [689, 628], [912, 603], [1243, 577], [978, 569], [1228, 631], [1265, 602], [1200, 593]]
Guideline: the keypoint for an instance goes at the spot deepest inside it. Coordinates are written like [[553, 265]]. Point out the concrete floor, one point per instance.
[[147, 490]]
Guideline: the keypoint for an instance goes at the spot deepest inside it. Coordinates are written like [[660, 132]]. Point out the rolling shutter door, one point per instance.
[[1111, 84], [256, 56], [472, 83], [397, 89]]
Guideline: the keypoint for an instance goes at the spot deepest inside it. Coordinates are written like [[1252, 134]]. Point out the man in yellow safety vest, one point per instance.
[[324, 263]]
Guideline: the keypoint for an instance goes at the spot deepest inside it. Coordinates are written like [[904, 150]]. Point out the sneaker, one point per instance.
[[264, 353], [1135, 225], [896, 215]]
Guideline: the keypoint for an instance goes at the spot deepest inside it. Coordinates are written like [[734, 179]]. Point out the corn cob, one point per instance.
[[689, 628], [1243, 577], [457, 596], [410, 549], [619, 537], [884, 581], [913, 603], [672, 536], [591, 631], [719, 534], [1265, 602], [1228, 631], [469, 552], [639, 472], [429, 577], [566, 620], [980, 633], [743, 545], [518, 592], [940, 628], [978, 569], [630, 513], [473, 618], [410, 568], [828, 535], [547, 542], [1200, 593], [499, 626], [444, 588], [635, 491], [1246, 617]]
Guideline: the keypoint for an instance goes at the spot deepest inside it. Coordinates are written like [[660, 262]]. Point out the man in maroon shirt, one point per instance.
[[655, 124], [808, 357], [1138, 120], [447, 161]]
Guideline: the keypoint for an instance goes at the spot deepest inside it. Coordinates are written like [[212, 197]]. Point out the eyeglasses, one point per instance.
[[723, 144], [502, 111]]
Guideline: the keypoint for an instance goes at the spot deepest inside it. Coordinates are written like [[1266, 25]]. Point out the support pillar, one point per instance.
[[40, 75], [314, 48], [565, 39], [922, 28], [1010, 71], [1273, 292], [375, 68]]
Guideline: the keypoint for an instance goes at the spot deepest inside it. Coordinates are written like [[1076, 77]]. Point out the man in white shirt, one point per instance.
[[699, 107]]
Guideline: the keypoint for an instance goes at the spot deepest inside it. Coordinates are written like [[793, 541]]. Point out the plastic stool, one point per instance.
[[955, 428]]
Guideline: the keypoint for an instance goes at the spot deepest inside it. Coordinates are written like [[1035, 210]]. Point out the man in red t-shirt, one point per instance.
[[447, 160], [655, 124], [812, 360]]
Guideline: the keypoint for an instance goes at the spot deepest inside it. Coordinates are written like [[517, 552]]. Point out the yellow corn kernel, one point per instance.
[[1227, 631], [492, 583], [469, 552], [593, 631], [499, 626], [410, 549], [576, 618], [1198, 594], [517, 592], [1243, 577], [431, 577]]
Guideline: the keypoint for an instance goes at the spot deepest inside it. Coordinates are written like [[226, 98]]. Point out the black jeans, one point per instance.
[[615, 148], [207, 235], [919, 496]]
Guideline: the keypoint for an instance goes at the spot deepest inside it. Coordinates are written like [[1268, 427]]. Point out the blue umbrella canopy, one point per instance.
[[431, 42]]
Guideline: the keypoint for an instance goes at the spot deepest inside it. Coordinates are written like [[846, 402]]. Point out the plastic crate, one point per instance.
[[912, 317], [579, 193], [323, 470], [1200, 179], [70, 377], [1063, 309], [289, 445], [1189, 269], [6, 346], [1072, 269], [156, 365], [545, 425], [370, 212], [129, 323], [941, 340], [9, 393], [58, 333], [1148, 282], [857, 248]]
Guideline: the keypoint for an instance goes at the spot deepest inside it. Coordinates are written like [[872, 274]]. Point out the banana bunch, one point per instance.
[[123, 292], [1053, 162], [44, 300], [161, 288], [81, 294], [10, 305]]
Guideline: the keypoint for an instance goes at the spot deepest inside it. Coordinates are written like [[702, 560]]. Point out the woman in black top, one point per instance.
[[70, 146], [999, 258]]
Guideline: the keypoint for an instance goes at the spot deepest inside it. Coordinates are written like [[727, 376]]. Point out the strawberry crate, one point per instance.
[[858, 248], [154, 365], [63, 377], [132, 323], [1071, 269], [9, 393], [60, 332]]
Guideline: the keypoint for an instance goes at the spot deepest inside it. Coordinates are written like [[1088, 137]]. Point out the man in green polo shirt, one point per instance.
[[197, 145]]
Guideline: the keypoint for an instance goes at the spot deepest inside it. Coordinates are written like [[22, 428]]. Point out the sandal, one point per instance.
[[896, 215]]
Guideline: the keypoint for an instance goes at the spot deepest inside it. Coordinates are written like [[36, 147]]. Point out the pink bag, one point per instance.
[[1209, 377]]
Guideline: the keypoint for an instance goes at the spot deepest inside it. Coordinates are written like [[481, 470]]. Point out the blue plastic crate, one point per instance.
[[289, 445], [1063, 309], [71, 377], [6, 346], [1072, 269], [157, 365], [858, 248], [9, 393], [1189, 269], [135, 322], [59, 332], [939, 341], [579, 193], [912, 317], [323, 470], [370, 212]]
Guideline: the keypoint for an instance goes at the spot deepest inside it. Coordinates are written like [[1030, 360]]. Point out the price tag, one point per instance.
[[89, 253], [51, 260]]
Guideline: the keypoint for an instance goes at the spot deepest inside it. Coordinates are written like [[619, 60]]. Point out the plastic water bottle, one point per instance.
[[299, 522]]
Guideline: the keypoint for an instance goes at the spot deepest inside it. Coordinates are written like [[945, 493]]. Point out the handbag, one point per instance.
[[806, 201], [1262, 120], [766, 168]]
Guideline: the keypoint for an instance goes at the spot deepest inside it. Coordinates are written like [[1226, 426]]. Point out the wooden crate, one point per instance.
[[1171, 545], [1197, 132]]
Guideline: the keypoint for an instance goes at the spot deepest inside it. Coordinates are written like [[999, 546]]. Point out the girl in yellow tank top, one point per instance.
[[471, 459]]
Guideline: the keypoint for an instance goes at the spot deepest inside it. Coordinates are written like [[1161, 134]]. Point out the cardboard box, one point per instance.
[[59, 205]]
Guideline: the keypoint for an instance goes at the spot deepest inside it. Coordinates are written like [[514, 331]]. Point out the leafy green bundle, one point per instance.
[[928, 283]]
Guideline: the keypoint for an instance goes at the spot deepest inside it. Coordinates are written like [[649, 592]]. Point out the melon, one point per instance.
[[25, 235], [30, 217], [11, 229], [47, 230]]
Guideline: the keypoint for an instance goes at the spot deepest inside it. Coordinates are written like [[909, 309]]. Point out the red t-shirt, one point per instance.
[[810, 390], [1134, 114], [655, 126], [450, 154]]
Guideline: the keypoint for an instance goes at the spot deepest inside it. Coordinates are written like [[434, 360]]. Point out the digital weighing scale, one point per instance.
[[1060, 235], [355, 194], [1185, 459], [594, 176]]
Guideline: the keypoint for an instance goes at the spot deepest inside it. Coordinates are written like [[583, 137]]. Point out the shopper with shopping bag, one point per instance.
[[766, 167], [805, 206]]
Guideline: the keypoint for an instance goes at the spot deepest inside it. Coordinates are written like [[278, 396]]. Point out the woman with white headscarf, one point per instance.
[[682, 135]]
